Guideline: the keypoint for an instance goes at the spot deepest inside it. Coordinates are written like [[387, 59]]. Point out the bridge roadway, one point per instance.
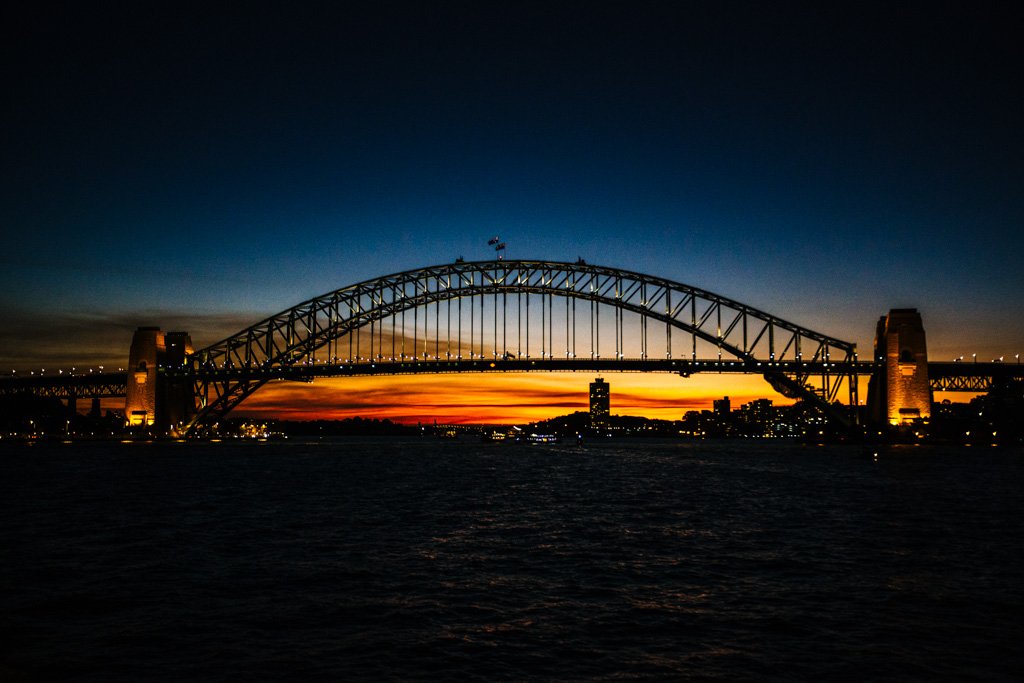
[[943, 376], [977, 377], [307, 372], [67, 385]]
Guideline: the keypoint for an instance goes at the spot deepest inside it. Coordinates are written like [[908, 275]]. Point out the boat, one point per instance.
[[539, 438], [489, 435]]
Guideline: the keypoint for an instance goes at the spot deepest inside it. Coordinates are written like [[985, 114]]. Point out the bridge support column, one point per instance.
[[176, 403], [151, 399], [899, 393], [140, 392]]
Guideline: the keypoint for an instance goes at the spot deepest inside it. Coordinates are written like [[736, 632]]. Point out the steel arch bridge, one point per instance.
[[516, 315]]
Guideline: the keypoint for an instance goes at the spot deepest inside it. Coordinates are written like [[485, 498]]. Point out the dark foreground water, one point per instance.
[[373, 560]]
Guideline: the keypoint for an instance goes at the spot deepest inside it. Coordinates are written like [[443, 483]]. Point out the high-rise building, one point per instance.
[[723, 407], [759, 411], [600, 402]]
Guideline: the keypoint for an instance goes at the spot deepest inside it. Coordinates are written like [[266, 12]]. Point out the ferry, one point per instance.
[[539, 438], [493, 435]]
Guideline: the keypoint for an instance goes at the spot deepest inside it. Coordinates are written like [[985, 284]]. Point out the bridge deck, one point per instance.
[[944, 376], [977, 377], [67, 386], [447, 366]]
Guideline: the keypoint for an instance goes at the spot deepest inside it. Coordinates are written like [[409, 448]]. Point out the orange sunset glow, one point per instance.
[[496, 398]]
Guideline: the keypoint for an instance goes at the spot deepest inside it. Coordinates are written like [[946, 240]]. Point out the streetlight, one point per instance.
[[975, 357]]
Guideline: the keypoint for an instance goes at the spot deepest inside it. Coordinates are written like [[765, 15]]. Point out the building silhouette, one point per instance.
[[600, 403], [723, 407]]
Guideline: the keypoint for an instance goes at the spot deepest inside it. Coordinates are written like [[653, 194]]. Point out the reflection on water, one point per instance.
[[368, 559]]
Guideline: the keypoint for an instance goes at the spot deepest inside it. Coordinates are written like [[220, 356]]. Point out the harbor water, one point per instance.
[[419, 559]]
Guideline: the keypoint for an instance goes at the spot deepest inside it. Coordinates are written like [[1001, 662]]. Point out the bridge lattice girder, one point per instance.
[[69, 387], [972, 377], [297, 335]]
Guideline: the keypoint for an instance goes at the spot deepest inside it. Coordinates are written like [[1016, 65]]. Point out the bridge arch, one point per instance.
[[303, 341]]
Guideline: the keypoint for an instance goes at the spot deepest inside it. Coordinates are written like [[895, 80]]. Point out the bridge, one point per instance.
[[521, 316]]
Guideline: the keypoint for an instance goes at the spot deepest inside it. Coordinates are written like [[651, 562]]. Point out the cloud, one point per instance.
[[31, 340]]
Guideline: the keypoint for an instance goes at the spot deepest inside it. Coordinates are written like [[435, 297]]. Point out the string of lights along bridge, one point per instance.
[[505, 316]]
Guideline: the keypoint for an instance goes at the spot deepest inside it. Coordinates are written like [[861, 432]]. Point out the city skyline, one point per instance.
[[200, 173]]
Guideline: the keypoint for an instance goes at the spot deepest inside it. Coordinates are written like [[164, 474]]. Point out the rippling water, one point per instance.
[[424, 560]]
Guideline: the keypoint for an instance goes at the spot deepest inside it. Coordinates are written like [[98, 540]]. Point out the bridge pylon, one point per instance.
[[140, 393], [152, 399], [899, 392]]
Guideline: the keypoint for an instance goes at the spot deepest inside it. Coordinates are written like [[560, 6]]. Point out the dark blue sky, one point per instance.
[[203, 168]]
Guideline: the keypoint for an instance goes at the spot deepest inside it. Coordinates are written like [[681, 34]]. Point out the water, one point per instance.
[[424, 560]]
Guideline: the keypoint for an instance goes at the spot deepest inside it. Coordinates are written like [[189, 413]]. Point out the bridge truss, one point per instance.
[[972, 377], [517, 316], [67, 387]]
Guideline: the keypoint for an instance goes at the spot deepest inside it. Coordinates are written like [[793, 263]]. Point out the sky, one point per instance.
[[201, 168]]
